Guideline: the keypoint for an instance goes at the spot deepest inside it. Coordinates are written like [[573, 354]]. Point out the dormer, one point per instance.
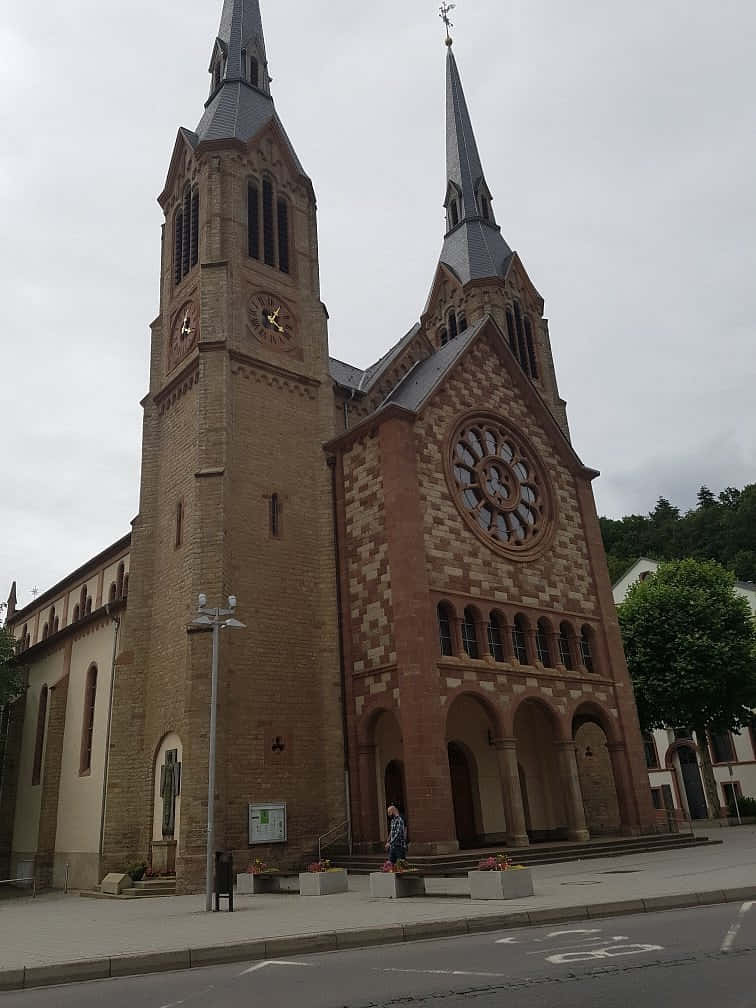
[[218, 63], [484, 201], [254, 65]]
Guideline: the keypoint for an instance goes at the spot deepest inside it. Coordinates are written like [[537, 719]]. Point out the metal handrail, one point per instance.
[[14, 881], [334, 834]]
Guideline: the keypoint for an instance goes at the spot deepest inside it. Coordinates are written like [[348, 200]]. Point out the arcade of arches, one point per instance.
[[554, 777]]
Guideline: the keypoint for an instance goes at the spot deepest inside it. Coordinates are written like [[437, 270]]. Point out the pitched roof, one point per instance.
[[474, 249], [353, 377]]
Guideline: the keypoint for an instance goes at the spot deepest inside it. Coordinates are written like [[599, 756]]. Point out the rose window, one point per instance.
[[500, 485]]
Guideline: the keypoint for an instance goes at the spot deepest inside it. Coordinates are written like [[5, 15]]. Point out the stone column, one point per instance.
[[484, 644], [577, 829], [506, 752]]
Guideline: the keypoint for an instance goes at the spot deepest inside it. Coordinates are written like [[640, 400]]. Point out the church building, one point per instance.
[[414, 548]]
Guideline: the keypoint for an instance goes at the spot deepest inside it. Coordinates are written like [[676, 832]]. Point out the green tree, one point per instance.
[[690, 642], [12, 673]]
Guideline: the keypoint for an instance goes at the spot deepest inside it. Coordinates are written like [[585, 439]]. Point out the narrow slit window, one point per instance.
[[253, 220], [39, 743], [275, 516], [512, 333], [254, 72], [269, 242], [522, 353], [179, 523], [87, 726], [178, 248], [283, 236]]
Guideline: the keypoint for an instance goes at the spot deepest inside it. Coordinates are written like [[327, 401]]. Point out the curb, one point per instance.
[[337, 941]]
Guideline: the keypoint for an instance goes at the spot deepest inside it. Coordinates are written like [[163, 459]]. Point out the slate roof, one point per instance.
[[237, 110], [353, 377], [475, 248]]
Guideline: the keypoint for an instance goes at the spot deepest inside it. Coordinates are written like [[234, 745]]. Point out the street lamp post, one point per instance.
[[218, 619]]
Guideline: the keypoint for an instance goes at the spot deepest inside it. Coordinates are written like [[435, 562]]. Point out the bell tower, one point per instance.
[[236, 494]]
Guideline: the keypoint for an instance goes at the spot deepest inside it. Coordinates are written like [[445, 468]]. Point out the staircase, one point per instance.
[[538, 854], [147, 889]]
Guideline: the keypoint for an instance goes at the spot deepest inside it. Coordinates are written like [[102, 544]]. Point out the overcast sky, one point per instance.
[[618, 140]]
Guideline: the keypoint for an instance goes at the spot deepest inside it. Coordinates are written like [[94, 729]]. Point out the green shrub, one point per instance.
[[747, 808]]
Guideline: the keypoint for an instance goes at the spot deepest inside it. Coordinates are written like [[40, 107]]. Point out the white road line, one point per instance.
[[270, 962], [428, 972], [558, 934], [733, 932]]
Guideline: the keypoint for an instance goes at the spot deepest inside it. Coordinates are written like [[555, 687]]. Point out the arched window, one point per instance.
[[77, 612], [24, 637], [269, 241], [512, 333], [87, 724], [126, 586], [462, 322], [494, 637], [217, 75], [519, 639], [56, 624], [283, 236], [275, 516], [543, 635], [484, 208], [186, 234], [51, 624], [469, 636], [531, 348], [445, 630], [45, 631], [254, 72], [444, 337], [521, 350], [40, 738], [565, 654], [83, 600], [453, 213], [586, 650], [253, 219], [119, 578], [650, 750], [452, 322], [89, 604], [113, 593], [179, 523]]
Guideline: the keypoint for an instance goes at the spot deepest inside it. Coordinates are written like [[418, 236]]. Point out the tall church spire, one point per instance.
[[473, 247], [240, 103]]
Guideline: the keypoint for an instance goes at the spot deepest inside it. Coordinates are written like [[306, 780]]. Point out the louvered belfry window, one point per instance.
[[254, 72], [269, 245], [253, 220], [186, 234], [531, 348], [283, 236]]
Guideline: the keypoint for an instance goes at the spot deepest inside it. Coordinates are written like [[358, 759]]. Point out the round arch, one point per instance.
[[168, 751], [537, 728], [473, 724], [593, 733]]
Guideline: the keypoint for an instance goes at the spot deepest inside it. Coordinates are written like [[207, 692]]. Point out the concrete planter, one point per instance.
[[248, 884], [512, 884], [395, 885], [323, 883]]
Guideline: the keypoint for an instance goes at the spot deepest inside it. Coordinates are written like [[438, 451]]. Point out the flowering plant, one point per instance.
[[319, 866], [258, 867], [499, 862], [399, 868]]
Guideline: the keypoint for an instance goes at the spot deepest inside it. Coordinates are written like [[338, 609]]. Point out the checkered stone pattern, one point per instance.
[[458, 561], [367, 558]]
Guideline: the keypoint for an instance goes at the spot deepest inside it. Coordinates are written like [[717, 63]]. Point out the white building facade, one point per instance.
[[673, 756]]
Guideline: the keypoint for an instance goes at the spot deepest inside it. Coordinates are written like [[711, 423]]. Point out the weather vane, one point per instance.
[[446, 9]]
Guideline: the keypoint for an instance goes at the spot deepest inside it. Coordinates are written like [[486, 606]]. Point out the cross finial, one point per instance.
[[446, 9]]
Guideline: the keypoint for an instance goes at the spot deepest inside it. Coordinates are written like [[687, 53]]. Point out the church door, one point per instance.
[[693, 784], [395, 793], [462, 795]]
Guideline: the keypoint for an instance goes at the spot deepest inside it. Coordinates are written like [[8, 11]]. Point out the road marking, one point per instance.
[[558, 934], [428, 972], [270, 962], [577, 946], [608, 952], [733, 932]]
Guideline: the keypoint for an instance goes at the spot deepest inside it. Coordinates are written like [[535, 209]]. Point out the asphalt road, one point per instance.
[[675, 959]]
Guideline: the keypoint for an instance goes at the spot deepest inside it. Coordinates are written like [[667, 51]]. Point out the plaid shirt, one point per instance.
[[397, 835]]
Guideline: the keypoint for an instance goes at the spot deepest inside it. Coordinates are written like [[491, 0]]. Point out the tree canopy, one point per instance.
[[12, 673], [721, 528], [690, 642]]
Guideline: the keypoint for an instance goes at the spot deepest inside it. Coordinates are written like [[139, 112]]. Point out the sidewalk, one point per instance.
[[175, 932]]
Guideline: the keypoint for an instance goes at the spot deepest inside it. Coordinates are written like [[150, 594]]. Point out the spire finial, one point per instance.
[[446, 9]]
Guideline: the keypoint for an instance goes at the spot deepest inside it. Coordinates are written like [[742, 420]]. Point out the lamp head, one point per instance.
[[202, 600], [232, 602]]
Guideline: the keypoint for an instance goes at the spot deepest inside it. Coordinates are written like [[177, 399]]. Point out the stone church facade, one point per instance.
[[414, 547]]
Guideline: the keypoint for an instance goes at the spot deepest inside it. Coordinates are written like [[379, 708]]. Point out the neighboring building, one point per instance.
[[673, 757], [415, 550]]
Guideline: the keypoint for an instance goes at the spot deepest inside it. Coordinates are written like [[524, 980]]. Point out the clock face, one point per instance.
[[270, 321], [184, 334]]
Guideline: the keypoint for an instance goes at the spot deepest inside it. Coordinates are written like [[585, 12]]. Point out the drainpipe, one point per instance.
[[117, 625]]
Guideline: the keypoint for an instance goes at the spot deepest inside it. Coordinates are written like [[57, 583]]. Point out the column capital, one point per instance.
[[504, 743]]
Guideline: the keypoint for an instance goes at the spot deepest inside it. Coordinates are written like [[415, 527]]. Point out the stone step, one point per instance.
[[462, 862], [147, 889]]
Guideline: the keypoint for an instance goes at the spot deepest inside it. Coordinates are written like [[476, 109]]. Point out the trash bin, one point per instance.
[[224, 879]]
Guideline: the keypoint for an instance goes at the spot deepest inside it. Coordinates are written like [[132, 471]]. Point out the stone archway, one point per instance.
[[537, 733], [596, 773], [389, 767], [474, 771]]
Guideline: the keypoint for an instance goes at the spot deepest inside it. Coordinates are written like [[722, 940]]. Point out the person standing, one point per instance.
[[397, 842]]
